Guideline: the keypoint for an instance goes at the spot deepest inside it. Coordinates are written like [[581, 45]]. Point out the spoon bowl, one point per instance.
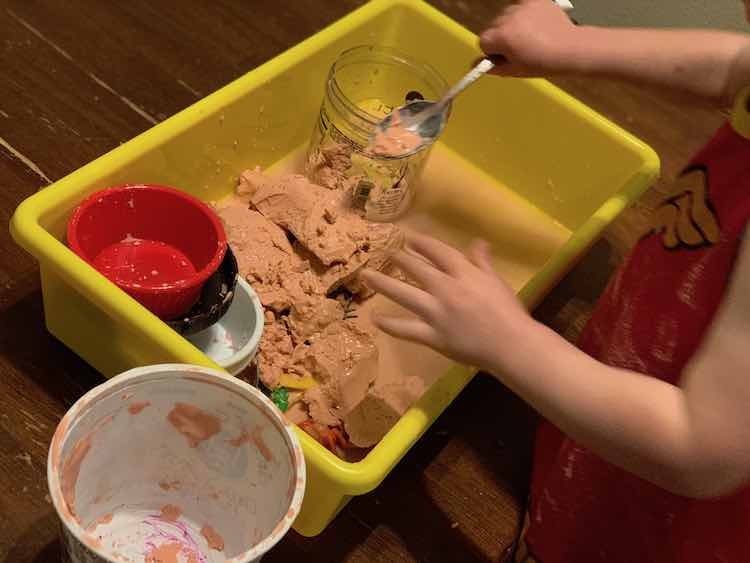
[[419, 117], [427, 119]]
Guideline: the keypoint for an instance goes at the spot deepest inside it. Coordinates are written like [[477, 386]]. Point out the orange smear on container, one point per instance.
[[214, 539], [166, 553], [106, 519], [93, 543], [243, 438], [70, 471], [136, 408], [260, 444], [170, 512], [256, 438], [193, 423], [167, 485]]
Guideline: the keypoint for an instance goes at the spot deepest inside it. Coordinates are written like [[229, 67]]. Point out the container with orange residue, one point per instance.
[[174, 463]]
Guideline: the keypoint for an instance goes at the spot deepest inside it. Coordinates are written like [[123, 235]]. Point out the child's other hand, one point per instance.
[[536, 38], [464, 310]]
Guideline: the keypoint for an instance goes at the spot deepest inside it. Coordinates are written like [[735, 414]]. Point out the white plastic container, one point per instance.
[[174, 463], [233, 341]]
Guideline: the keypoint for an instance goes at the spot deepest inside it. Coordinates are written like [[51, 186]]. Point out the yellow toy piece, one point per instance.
[[297, 383]]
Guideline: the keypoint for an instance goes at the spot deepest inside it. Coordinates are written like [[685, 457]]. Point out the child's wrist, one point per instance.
[[514, 352], [585, 51]]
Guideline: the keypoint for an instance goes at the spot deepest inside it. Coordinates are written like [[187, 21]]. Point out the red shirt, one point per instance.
[[651, 319]]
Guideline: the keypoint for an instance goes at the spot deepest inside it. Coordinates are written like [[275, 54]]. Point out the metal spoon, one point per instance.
[[427, 119]]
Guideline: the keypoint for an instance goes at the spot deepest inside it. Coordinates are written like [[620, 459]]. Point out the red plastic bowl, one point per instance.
[[158, 244]]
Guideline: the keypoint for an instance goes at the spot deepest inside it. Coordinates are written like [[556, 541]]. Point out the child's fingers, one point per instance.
[[412, 298], [479, 254], [492, 42], [445, 257], [419, 269], [411, 329]]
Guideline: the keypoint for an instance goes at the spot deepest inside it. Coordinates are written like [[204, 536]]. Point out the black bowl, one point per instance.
[[216, 297]]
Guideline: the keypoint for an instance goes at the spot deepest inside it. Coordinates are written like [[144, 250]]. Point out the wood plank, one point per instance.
[[182, 51], [146, 60], [39, 380], [56, 115]]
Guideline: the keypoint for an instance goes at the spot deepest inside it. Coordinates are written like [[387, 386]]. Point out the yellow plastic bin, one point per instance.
[[526, 134]]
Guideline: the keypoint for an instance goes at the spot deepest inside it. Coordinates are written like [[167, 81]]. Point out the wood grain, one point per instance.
[[79, 78]]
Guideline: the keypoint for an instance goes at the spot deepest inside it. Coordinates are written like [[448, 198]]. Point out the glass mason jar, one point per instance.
[[364, 85]]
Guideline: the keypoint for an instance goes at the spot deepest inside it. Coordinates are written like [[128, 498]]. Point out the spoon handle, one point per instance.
[[484, 66]]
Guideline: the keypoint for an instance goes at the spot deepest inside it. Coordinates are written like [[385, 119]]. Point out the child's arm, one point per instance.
[[537, 38], [692, 440]]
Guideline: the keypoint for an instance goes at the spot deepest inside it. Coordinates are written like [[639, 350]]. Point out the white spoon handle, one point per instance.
[[437, 108], [484, 66]]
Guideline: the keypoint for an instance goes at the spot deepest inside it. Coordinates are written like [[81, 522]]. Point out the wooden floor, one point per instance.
[[77, 79]]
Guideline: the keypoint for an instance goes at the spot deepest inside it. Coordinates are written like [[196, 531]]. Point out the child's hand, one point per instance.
[[464, 310], [535, 36]]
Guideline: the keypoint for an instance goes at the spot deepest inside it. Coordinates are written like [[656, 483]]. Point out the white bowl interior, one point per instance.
[[232, 342], [178, 438]]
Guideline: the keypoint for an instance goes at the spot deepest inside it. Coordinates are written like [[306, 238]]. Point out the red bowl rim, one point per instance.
[[198, 278]]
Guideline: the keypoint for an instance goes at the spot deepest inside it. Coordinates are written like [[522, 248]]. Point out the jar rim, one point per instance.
[[428, 72]]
